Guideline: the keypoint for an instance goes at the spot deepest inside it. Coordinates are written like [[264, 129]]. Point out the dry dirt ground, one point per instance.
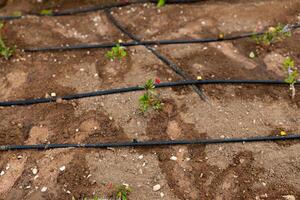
[[232, 171]]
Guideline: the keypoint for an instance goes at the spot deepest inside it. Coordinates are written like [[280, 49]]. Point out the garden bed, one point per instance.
[[228, 171]]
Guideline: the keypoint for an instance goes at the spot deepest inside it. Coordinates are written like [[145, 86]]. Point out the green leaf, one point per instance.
[[46, 12], [116, 52], [161, 3], [288, 63], [17, 13]]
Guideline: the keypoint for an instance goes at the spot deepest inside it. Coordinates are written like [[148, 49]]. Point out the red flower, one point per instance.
[[157, 81]]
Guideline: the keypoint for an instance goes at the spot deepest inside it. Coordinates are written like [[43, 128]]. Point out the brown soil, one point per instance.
[[232, 171]]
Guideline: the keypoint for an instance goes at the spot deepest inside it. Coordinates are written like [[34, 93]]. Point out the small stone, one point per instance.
[[156, 187], [62, 168], [289, 197], [44, 189], [2, 173], [34, 171], [53, 94], [252, 54], [174, 158], [141, 157], [162, 194], [59, 100], [110, 118]]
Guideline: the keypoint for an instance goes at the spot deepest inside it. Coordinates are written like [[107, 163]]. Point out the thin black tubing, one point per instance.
[[27, 102], [164, 59], [147, 42], [97, 8], [151, 143]]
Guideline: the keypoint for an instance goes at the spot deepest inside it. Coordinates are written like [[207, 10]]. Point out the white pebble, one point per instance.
[[62, 168], [44, 189], [34, 171], [156, 187], [173, 158], [289, 197]]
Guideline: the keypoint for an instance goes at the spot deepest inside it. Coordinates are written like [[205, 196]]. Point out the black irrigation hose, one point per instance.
[[151, 143], [98, 7], [165, 60], [148, 42], [137, 88]]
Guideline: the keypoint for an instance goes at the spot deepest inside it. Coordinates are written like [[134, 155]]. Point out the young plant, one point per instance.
[[122, 192], [150, 99], [5, 51], [292, 74], [274, 34], [161, 3], [17, 14], [46, 12], [116, 52]]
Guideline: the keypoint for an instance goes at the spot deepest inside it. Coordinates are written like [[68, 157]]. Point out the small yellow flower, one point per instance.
[[272, 29], [199, 78], [283, 133]]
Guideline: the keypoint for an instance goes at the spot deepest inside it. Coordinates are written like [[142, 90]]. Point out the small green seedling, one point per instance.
[[161, 3], [122, 192], [17, 14], [5, 51], [116, 52], [292, 74], [150, 99], [46, 12], [274, 34]]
